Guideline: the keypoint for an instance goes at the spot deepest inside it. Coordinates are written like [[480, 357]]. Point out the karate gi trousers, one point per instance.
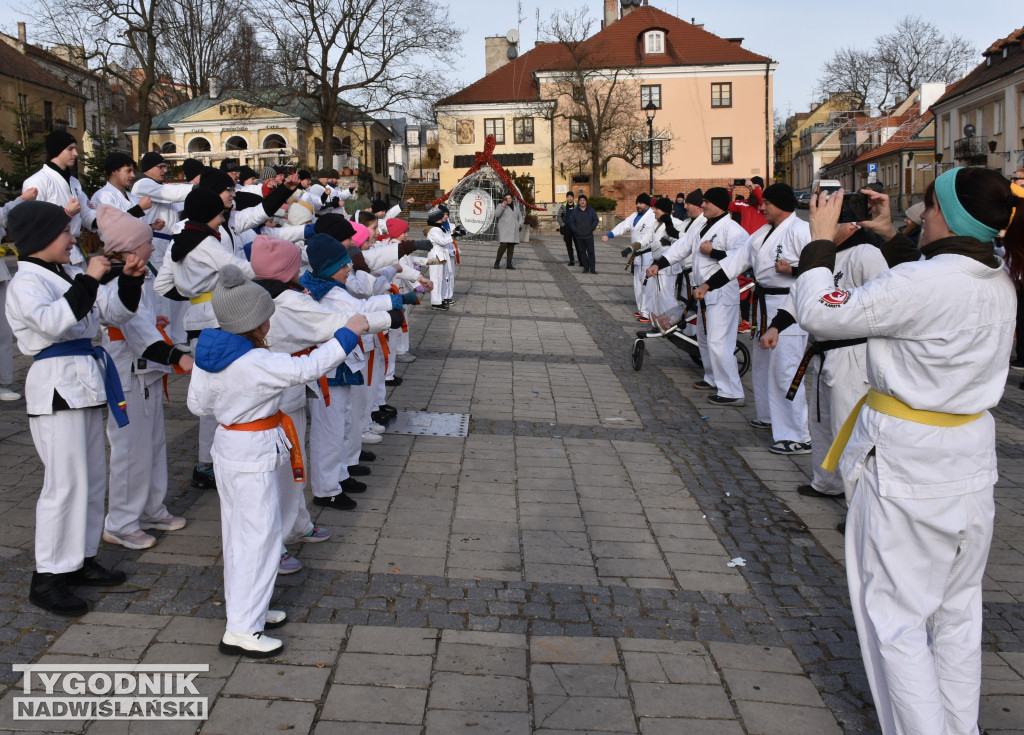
[[642, 294], [717, 344], [328, 453], [439, 276], [773, 372], [836, 401], [207, 428], [360, 398], [69, 512], [915, 568], [295, 520], [138, 459]]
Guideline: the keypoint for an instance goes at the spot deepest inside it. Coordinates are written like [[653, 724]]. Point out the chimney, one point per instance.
[[628, 6], [735, 41], [22, 34], [215, 87], [611, 12], [496, 52]]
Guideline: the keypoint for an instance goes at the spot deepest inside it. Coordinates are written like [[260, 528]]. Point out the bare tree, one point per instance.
[[600, 102], [198, 41], [360, 57], [115, 37], [898, 63], [252, 66]]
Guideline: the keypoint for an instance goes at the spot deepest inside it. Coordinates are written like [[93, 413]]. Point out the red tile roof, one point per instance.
[[986, 72], [15, 64], [903, 139], [617, 46]]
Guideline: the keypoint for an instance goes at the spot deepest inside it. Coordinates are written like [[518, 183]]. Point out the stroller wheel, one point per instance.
[[742, 357], [638, 354]]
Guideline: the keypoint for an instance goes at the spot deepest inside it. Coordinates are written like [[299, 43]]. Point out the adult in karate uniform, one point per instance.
[[55, 184], [773, 252], [922, 447], [719, 313], [55, 309], [668, 232], [640, 228]]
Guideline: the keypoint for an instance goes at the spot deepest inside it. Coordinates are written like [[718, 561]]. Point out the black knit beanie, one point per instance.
[[781, 195], [719, 196], [202, 205], [643, 198], [663, 204], [34, 224], [215, 180], [57, 141], [117, 160], [150, 160], [191, 168], [695, 197], [335, 225]]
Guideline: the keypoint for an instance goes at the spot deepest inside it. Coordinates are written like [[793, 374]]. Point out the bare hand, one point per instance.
[[783, 266], [604, 238], [98, 267], [769, 339], [29, 194], [881, 214], [358, 324], [146, 203], [186, 362], [706, 248], [700, 291], [410, 200], [159, 225], [652, 271], [426, 283], [292, 182], [162, 322], [134, 265], [824, 217], [73, 207]]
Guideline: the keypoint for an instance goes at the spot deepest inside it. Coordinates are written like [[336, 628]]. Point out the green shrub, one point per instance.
[[603, 204]]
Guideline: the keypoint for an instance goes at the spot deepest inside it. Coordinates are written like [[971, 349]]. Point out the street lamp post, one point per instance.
[[650, 109]]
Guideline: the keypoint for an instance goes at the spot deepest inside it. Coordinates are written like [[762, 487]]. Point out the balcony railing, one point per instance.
[[970, 150]]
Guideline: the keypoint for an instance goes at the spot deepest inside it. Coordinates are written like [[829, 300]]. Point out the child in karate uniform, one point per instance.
[[138, 456], [240, 383], [54, 310]]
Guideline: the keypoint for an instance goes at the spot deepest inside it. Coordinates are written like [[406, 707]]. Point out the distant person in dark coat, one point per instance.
[[583, 221]]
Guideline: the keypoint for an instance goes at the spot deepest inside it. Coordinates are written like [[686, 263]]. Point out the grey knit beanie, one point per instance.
[[268, 172], [239, 304]]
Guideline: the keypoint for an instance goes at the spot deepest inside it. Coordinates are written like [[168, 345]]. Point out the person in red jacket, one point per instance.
[[751, 218]]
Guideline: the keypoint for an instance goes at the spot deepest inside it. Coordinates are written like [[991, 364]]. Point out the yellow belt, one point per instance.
[[201, 298], [890, 406]]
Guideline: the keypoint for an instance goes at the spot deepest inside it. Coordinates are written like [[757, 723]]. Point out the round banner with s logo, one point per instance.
[[476, 211]]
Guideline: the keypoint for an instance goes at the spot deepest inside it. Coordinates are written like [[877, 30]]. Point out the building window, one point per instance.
[[578, 131], [650, 93], [495, 126], [657, 154], [92, 128], [721, 94], [22, 102], [412, 137], [997, 117], [378, 154], [721, 150], [577, 93], [71, 116], [47, 115], [522, 129], [654, 42]]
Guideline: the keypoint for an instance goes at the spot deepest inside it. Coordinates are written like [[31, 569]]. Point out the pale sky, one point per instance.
[[798, 35]]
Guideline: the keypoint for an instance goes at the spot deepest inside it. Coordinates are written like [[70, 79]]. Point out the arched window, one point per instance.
[[654, 42], [236, 143], [168, 147], [274, 141], [199, 145], [345, 145]]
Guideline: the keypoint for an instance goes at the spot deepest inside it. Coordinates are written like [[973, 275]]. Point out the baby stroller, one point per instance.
[[676, 334]]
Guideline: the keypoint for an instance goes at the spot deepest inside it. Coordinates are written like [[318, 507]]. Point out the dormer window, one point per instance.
[[654, 42]]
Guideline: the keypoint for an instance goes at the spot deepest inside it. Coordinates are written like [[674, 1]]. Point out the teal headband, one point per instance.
[[958, 219]]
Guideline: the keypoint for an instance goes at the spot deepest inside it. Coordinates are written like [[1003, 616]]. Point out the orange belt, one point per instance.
[[405, 323], [385, 348], [116, 335], [272, 422], [457, 259], [324, 388]]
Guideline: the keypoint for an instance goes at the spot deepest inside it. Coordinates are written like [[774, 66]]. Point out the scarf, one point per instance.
[[189, 238], [965, 246], [65, 173], [318, 287]]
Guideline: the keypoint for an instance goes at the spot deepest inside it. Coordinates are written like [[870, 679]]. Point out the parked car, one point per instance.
[[803, 199]]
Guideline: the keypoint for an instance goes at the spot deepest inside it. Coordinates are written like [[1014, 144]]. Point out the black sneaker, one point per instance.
[[387, 408], [352, 485], [809, 492], [703, 385], [717, 400], [358, 470], [50, 592], [93, 574], [841, 527], [439, 307], [393, 382], [510, 267], [338, 502], [381, 417], [203, 478], [366, 456]]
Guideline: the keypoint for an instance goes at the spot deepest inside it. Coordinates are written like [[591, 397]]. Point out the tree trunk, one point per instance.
[[327, 131], [145, 116]]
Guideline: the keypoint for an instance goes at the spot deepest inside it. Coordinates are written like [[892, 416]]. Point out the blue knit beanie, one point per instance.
[[326, 255]]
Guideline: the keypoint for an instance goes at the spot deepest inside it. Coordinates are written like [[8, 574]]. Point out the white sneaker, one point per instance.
[[134, 540], [370, 438], [6, 394], [167, 523], [252, 645], [275, 619], [405, 357], [376, 428]]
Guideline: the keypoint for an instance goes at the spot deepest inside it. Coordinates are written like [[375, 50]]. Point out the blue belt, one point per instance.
[[111, 380], [162, 236]]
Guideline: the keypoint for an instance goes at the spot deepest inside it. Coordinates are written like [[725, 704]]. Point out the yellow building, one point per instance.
[[712, 104], [48, 102], [270, 129], [806, 143]]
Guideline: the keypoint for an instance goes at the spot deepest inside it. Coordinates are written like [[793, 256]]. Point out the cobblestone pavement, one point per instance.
[[564, 568]]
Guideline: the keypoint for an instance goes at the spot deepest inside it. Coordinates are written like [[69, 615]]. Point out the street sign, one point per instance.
[[872, 173]]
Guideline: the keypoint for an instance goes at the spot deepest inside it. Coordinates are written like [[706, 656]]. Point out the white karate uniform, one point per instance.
[[665, 282], [774, 369], [439, 274], [717, 339], [246, 464], [54, 189], [69, 513], [138, 455], [920, 520], [641, 229]]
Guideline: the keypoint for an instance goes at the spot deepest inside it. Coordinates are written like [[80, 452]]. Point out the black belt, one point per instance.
[[193, 334], [818, 348], [759, 300]]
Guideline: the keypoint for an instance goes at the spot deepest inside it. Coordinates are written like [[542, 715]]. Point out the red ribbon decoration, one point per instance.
[[487, 156]]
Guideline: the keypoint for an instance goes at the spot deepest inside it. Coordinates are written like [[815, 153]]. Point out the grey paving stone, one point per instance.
[[478, 693], [346, 703], [767, 718], [677, 726], [755, 658], [556, 649], [383, 670], [280, 681], [764, 686], [409, 641], [105, 641], [583, 713], [326, 727], [447, 722], [681, 700], [231, 715], [481, 659]]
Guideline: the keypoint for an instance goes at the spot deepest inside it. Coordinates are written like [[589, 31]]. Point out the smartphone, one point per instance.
[[855, 204], [739, 182]]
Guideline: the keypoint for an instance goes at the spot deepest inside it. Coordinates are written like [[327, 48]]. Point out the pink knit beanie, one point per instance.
[[275, 259], [121, 232], [361, 236]]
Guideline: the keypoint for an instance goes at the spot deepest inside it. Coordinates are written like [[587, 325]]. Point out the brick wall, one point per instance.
[[625, 191]]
